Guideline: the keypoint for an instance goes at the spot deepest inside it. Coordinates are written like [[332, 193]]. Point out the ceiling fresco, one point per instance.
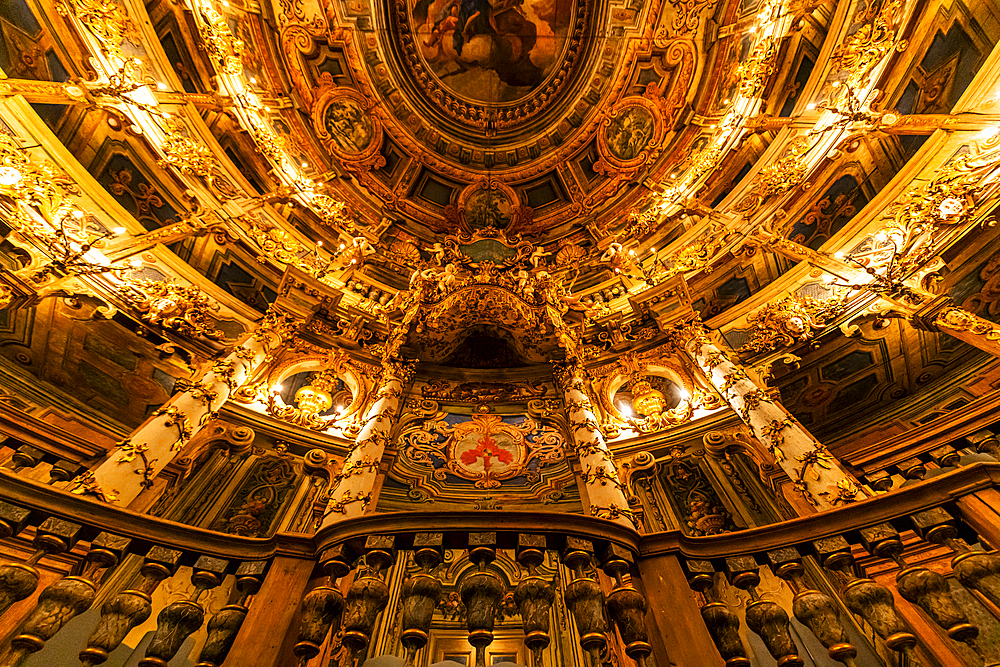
[[491, 187]]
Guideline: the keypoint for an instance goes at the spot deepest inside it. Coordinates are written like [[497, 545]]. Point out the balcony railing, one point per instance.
[[296, 592]]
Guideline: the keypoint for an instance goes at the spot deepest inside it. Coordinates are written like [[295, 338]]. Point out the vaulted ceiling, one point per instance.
[[740, 145]]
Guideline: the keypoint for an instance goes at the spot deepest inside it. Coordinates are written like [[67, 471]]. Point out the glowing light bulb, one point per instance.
[[9, 176], [810, 106], [838, 254], [253, 80], [78, 214], [118, 231], [278, 388], [625, 409], [652, 250], [161, 86], [136, 263], [319, 244]]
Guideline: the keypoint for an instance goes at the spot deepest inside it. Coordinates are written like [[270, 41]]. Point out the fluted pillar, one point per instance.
[[816, 474], [353, 486], [132, 465], [597, 463]]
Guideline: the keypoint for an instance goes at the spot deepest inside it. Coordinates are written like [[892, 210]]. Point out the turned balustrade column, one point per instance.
[[816, 474], [813, 608], [921, 586], [353, 489], [866, 597], [179, 620], [131, 607], [132, 465], [765, 617], [722, 622], [53, 536], [597, 463], [64, 599]]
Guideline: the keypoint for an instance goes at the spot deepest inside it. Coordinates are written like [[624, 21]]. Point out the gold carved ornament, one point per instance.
[[871, 43], [789, 321], [129, 451], [186, 311], [86, 485], [219, 41], [107, 20], [613, 511], [958, 319], [812, 461], [27, 185]]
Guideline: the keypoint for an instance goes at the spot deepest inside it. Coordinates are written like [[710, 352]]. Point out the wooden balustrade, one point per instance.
[[355, 557]]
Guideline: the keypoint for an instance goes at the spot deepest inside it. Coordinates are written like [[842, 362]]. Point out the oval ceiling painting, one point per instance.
[[492, 52]]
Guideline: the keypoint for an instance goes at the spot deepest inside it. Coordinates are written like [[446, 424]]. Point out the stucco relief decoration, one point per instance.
[[486, 450], [789, 321], [345, 123], [185, 310], [492, 280], [491, 64]]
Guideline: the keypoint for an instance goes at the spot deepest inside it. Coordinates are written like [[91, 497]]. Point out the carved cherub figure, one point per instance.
[[447, 277], [437, 253], [536, 256], [614, 250], [523, 287]]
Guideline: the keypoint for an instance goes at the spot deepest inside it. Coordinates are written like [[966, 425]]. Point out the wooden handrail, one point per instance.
[[909, 500], [934, 492], [49, 501]]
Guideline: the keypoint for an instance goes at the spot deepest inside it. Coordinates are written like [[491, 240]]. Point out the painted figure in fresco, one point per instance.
[[497, 36], [629, 133], [444, 22], [485, 211], [349, 125]]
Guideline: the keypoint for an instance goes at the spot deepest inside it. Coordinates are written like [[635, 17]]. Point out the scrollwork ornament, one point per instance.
[[613, 512], [958, 319], [87, 485], [177, 418], [184, 310]]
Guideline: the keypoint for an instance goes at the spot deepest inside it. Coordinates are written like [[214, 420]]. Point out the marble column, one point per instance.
[[132, 465], [815, 473], [354, 484], [597, 463]]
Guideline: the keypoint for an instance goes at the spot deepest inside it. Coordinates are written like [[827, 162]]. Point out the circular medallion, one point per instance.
[[488, 204], [632, 133], [489, 62], [347, 125]]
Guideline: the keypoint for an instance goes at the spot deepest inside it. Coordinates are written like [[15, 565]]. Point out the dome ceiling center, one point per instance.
[[493, 65]]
